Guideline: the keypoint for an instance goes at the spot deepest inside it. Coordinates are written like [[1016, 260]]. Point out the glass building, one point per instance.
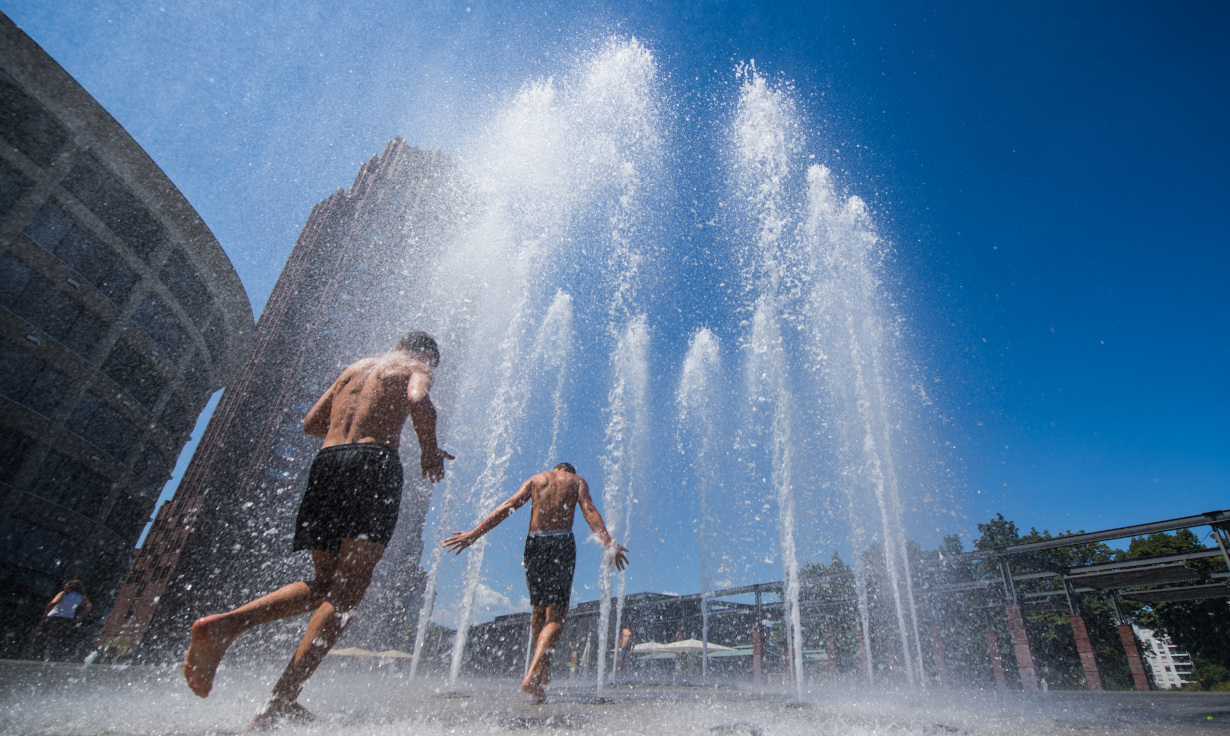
[[120, 316]]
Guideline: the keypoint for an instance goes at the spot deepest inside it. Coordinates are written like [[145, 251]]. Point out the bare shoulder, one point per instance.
[[360, 366], [573, 482], [404, 366]]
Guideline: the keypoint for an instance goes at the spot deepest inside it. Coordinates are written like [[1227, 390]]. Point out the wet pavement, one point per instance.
[[366, 698]]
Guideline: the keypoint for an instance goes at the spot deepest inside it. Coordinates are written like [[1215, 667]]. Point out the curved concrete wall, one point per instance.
[[119, 316]]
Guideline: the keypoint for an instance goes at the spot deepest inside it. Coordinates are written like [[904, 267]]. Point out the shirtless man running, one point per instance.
[[346, 517], [550, 556]]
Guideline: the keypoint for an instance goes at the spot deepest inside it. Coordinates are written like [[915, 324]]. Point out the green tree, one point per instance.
[[1050, 631], [1202, 628]]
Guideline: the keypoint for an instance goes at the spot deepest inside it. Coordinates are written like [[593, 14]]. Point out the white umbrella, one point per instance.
[[394, 654], [690, 646], [648, 647], [351, 652]]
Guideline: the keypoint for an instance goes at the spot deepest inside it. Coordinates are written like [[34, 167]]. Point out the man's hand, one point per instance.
[[433, 466], [459, 541], [621, 559]]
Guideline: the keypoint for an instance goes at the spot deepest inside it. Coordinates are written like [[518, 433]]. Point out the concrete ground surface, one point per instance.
[[366, 698]]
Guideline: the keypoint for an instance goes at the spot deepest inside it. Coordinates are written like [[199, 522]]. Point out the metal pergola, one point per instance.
[[1009, 580]]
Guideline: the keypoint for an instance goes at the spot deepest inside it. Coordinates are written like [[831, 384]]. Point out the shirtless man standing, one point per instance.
[[550, 556], [346, 516]]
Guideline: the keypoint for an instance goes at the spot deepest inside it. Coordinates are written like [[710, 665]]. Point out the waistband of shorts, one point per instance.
[[550, 533], [365, 446]]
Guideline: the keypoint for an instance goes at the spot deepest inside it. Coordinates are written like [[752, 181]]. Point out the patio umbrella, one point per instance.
[[690, 646], [394, 654], [351, 652]]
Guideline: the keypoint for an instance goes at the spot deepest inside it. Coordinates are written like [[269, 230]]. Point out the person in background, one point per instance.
[[68, 608], [550, 556], [627, 642]]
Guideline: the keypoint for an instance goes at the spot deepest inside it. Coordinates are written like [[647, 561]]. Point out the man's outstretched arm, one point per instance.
[[423, 416], [460, 540], [594, 519]]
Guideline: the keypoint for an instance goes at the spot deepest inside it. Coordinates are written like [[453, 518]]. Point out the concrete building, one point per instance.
[[1169, 665], [348, 290], [119, 316]]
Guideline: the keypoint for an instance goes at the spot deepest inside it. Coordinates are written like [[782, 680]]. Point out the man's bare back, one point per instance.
[[555, 495], [346, 517], [371, 401]]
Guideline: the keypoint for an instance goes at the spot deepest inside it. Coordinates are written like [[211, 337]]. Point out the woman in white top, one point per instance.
[[68, 608]]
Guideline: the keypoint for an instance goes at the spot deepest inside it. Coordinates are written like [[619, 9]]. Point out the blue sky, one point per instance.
[[1051, 177]]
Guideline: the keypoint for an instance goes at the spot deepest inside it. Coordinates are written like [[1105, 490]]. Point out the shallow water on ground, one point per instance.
[[71, 699]]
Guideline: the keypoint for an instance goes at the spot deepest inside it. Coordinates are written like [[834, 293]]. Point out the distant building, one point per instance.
[[348, 290], [119, 316], [1169, 664]]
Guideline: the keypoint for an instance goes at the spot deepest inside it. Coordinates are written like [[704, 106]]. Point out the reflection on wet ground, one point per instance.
[[71, 699]]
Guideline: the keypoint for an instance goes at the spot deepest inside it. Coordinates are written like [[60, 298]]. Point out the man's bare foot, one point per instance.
[[204, 653], [531, 687], [277, 712]]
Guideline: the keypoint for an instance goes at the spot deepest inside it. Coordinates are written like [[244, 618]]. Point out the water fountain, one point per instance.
[[562, 300], [554, 279], [696, 398], [558, 282]]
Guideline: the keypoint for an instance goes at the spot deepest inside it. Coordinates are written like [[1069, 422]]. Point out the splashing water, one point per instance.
[[560, 157], [695, 400], [551, 353], [565, 178], [841, 241], [763, 141], [622, 464]]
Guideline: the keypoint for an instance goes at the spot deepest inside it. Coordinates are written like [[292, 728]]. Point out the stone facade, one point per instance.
[[120, 315]]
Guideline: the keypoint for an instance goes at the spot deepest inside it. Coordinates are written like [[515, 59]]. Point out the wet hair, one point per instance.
[[420, 342], [567, 467], [74, 586]]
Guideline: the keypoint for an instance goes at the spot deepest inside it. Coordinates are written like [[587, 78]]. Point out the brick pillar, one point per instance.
[[1020, 647], [830, 645], [1093, 679], [1135, 662], [997, 662], [757, 653], [937, 654]]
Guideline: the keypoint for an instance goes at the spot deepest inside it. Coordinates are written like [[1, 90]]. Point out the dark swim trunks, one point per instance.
[[549, 562], [353, 492]]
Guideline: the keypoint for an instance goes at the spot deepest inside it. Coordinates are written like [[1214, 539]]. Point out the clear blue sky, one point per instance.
[[1052, 177]]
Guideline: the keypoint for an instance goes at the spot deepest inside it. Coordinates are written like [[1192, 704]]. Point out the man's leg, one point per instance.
[[212, 635], [540, 668], [355, 562], [538, 619]]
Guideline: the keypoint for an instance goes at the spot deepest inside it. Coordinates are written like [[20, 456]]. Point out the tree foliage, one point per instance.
[[1202, 628], [961, 612]]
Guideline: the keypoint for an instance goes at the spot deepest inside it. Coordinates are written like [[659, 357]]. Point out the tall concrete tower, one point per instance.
[[348, 290]]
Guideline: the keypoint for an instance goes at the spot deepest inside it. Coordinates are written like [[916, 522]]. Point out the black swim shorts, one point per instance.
[[549, 562], [353, 492]]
